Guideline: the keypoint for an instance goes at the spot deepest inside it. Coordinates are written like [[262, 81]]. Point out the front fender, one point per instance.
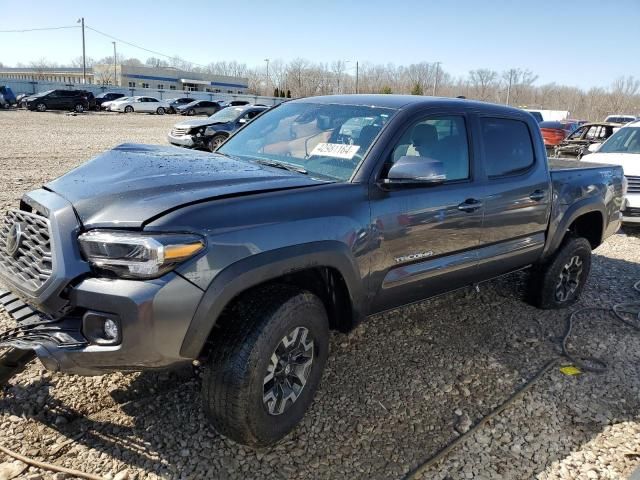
[[260, 268]]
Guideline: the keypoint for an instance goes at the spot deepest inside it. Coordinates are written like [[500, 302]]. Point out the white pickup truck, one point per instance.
[[623, 148]]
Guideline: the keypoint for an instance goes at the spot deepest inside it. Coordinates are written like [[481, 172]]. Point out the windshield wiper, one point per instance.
[[283, 165]]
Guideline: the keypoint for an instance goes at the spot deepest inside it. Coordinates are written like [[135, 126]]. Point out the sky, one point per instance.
[[587, 43]]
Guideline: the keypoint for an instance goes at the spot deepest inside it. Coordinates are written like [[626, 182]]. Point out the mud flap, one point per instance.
[[12, 362]]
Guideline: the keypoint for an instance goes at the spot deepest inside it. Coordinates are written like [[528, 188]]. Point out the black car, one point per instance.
[[174, 103], [228, 121], [107, 97], [76, 100], [199, 107]]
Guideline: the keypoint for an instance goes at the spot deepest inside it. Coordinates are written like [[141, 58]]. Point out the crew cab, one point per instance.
[[315, 215]]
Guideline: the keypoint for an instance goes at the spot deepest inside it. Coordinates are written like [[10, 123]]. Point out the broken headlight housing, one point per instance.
[[138, 255]]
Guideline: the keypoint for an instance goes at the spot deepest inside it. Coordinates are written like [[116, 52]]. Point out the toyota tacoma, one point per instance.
[[315, 215]]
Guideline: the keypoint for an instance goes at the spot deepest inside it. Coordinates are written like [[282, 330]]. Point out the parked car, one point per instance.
[[620, 119], [553, 133], [8, 97], [107, 105], [76, 100], [140, 104], [577, 144], [623, 148], [174, 103], [243, 260], [191, 133], [227, 122], [102, 98], [21, 97], [198, 107]]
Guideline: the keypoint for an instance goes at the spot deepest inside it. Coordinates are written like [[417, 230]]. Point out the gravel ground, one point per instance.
[[396, 390]]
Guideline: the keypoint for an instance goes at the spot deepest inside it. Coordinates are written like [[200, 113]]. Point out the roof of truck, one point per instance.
[[400, 101]]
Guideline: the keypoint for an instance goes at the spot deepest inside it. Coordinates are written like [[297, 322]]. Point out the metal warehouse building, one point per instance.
[[133, 77]]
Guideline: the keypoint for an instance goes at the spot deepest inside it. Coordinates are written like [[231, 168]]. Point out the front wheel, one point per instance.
[[160, 111], [266, 363], [559, 282], [41, 107], [191, 112], [128, 109], [216, 141], [78, 108]]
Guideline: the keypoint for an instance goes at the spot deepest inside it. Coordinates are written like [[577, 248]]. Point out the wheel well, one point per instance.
[[589, 226], [325, 282]]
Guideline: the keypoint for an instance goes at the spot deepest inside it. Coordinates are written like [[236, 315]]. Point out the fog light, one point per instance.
[[101, 328], [110, 329]]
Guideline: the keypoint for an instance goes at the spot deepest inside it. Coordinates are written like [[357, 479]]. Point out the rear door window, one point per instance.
[[508, 148]]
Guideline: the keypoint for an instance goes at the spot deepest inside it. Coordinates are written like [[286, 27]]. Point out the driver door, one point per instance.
[[428, 235]]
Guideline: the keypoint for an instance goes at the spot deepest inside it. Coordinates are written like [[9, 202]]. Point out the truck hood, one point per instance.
[[196, 122], [131, 184], [630, 162]]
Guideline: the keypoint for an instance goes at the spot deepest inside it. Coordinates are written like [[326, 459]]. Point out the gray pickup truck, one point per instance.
[[315, 215]]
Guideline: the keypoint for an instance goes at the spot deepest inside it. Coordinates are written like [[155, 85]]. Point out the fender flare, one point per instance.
[[582, 207], [261, 268]]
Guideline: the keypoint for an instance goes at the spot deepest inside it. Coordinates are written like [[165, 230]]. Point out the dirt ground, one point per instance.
[[395, 391]]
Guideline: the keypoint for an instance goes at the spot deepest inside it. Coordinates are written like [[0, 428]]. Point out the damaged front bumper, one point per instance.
[[152, 319]]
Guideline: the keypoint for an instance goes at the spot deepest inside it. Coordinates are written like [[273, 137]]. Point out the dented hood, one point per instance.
[[131, 184]]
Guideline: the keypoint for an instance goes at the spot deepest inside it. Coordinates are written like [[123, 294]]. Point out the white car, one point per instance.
[[623, 148], [107, 105], [140, 104]]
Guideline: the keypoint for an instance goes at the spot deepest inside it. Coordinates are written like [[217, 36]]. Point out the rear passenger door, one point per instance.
[[517, 195]]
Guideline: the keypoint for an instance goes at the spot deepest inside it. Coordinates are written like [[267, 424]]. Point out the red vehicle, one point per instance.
[[554, 133]]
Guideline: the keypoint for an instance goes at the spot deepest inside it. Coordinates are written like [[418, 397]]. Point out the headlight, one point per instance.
[[138, 255]]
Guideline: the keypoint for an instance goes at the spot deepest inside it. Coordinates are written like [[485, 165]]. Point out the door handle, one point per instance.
[[537, 195], [470, 205]]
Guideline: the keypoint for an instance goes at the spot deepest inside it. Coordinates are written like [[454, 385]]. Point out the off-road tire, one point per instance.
[[241, 351], [216, 141], [545, 278]]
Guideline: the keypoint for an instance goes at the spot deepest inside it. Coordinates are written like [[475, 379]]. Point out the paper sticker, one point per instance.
[[570, 370], [335, 150]]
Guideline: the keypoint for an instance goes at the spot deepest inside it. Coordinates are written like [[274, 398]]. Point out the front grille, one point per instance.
[[634, 184], [180, 131], [31, 263], [631, 212]]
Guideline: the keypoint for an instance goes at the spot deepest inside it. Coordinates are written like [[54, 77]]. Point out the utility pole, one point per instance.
[[509, 87], [267, 60], [357, 75], [115, 67], [435, 79], [84, 56]]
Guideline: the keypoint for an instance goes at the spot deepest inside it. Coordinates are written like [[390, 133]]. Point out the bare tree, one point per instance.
[[483, 82]]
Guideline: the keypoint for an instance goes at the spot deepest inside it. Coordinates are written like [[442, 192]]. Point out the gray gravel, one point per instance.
[[397, 389]]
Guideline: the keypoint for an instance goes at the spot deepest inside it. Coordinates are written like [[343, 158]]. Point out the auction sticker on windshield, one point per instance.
[[335, 150]]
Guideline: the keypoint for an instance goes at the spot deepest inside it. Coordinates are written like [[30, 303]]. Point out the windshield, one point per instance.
[[326, 140], [625, 140], [227, 114]]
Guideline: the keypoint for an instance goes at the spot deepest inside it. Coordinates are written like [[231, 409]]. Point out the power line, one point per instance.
[[142, 48], [38, 29]]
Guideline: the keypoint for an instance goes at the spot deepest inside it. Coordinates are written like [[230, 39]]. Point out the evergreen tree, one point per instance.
[[417, 89]]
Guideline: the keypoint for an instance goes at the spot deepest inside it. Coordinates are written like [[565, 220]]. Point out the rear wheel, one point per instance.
[[128, 109], [216, 141], [266, 363], [160, 111], [559, 282]]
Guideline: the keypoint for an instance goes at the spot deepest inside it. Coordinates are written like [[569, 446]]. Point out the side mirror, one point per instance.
[[242, 120], [594, 147], [416, 170]]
